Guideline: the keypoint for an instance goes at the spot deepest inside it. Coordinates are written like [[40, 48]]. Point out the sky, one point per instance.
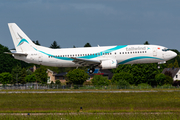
[[98, 22]]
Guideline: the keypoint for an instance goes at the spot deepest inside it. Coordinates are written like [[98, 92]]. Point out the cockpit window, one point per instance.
[[165, 49]]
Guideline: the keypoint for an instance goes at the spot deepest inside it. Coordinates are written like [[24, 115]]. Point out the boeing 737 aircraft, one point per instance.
[[106, 57]]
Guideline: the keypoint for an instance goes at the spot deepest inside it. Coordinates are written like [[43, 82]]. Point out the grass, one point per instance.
[[174, 116], [94, 89], [90, 102], [89, 87]]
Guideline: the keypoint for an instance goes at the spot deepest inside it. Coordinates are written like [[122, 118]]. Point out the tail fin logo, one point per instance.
[[22, 41]]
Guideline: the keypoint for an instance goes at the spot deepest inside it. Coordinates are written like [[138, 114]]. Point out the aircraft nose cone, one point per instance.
[[174, 54]]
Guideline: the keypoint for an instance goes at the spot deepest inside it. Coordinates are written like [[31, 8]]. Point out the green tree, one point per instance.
[[54, 45], [36, 42], [5, 78], [52, 82], [160, 79], [16, 75], [142, 73], [123, 76], [58, 82], [30, 78], [170, 65], [163, 79], [100, 80], [176, 64], [168, 80], [7, 61], [28, 72], [87, 45], [22, 75], [41, 75], [123, 83], [77, 76], [146, 43]]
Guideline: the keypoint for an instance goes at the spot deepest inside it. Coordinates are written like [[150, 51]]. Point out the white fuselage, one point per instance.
[[123, 54]]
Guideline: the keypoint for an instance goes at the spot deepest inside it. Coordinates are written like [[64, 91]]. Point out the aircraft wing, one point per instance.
[[86, 62], [15, 53]]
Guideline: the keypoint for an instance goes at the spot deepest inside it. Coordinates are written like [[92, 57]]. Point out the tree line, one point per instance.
[[54, 45]]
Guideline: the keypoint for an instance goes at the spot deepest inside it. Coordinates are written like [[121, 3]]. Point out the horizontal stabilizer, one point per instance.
[[15, 53]]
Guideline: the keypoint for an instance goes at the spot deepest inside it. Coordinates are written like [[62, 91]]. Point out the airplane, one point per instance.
[[104, 57]]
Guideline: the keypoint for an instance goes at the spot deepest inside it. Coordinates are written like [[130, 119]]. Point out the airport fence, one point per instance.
[[55, 86]]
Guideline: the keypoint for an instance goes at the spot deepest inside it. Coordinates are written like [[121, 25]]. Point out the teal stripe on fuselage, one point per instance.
[[137, 58], [101, 53], [87, 56], [62, 58]]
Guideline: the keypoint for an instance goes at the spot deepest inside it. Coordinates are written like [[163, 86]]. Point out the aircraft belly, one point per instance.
[[65, 63]]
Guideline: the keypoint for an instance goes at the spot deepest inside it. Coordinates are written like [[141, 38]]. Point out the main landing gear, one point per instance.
[[91, 70]]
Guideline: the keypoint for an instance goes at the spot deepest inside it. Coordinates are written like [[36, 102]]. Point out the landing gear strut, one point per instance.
[[91, 70]]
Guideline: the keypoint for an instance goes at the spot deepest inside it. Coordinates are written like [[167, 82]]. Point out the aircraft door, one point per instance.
[[154, 51], [163, 55]]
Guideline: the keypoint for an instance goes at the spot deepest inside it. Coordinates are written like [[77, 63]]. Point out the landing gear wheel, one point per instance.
[[91, 70]]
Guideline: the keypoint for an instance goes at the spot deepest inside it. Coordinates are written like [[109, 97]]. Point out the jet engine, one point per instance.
[[109, 64]]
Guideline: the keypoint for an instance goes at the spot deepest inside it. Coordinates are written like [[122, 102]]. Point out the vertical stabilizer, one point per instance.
[[21, 41]]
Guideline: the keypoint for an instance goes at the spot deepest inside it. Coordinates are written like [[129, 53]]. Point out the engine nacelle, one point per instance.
[[109, 64]]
